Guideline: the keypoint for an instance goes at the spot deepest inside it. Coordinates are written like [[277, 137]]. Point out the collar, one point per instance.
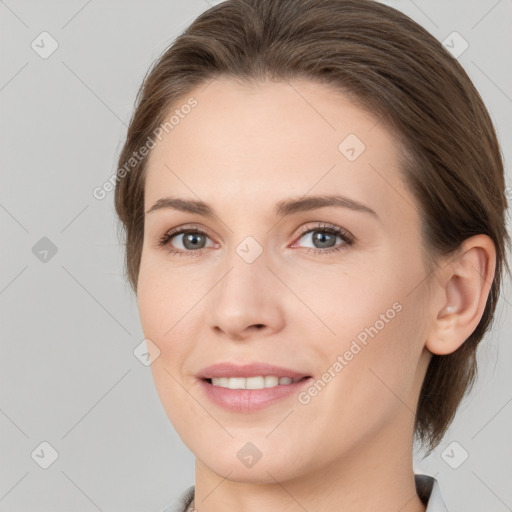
[[429, 491]]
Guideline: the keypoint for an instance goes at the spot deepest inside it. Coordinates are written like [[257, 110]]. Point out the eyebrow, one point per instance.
[[282, 208]]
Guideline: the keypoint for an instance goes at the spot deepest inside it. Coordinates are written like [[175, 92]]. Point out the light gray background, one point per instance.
[[68, 375]]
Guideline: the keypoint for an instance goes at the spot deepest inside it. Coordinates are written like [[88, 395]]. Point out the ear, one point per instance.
[[461, 294]]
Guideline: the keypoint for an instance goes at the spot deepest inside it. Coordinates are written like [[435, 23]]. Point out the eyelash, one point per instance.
[[347, 238]]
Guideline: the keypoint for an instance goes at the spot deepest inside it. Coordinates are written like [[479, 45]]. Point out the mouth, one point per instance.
[[254, 382], [252, 393], [250, 387]]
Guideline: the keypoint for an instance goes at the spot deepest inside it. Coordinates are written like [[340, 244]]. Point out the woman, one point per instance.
[[313, 199]]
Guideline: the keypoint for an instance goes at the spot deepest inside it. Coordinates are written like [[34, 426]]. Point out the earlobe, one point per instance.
[[467, 282]]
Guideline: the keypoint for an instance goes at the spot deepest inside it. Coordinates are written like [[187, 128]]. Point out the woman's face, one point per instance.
[[272, 282]]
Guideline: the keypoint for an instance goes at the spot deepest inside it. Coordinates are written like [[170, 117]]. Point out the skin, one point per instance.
[[242, 149]]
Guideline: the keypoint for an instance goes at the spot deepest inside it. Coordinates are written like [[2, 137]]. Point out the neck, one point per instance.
[[376, 476]]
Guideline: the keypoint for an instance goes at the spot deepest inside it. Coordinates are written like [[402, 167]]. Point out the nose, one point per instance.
[[247, 301]]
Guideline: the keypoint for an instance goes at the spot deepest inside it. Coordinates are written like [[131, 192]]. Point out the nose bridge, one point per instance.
[[248, 275], [247, 294]]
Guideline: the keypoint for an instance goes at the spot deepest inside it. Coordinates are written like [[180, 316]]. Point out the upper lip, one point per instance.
[[227, 369]]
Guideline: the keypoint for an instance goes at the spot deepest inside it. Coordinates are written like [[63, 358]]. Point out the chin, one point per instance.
[[265, 470]]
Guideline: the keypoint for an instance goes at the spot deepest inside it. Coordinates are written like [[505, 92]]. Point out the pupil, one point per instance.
[[192, 239], [320, 237]]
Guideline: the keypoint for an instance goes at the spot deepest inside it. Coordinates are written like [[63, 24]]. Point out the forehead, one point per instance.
[[243, 142]]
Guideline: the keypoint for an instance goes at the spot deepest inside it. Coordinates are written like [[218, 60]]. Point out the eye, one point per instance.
[[323, 238], [190, 241]]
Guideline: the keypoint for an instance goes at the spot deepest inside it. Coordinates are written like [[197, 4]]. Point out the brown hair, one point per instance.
[[392, 67]]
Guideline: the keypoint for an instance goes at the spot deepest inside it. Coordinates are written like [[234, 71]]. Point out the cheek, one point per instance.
[[165, 301], [372, 380], [160, 321], [378, 330], [163, 321], [356, 303]]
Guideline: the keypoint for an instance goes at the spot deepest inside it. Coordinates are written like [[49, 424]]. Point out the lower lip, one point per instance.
[[247, 400]]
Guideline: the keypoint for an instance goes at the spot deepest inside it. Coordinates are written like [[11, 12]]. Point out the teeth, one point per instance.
[[269, 381]]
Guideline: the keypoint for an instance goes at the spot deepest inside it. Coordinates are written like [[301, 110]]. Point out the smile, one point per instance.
[[258, 382]]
